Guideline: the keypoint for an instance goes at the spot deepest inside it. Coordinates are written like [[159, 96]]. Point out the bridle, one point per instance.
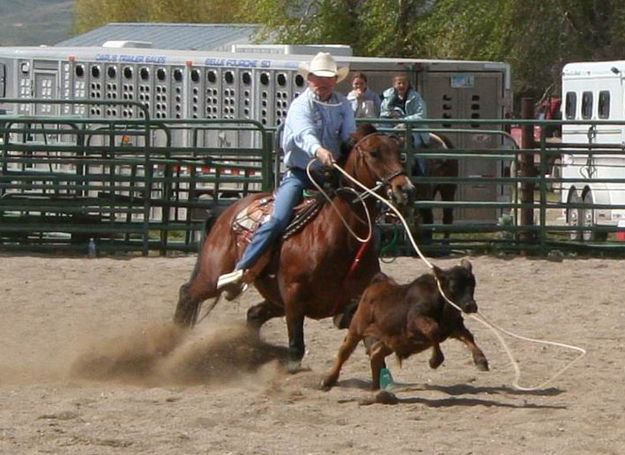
[[385, 182]]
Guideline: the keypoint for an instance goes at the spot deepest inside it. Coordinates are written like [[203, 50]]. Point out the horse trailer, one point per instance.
[[254, 82], [593, 92]]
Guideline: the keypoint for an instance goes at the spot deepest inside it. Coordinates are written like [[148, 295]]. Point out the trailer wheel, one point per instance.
[[573, 217], [587, 219]]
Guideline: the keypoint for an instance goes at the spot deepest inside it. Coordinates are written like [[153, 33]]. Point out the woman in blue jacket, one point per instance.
[[402, 101]]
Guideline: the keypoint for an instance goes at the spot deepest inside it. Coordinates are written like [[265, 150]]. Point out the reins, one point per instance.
[[478, 316], [338, 212], [360, 198]]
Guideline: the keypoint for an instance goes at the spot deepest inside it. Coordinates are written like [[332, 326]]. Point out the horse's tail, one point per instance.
[[443, 140]]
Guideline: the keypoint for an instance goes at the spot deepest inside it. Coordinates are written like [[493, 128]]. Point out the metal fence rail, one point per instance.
[[66, 180], [144, 185], [526, 209]]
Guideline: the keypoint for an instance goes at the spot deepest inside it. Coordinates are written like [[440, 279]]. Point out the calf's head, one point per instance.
[[458, 283]]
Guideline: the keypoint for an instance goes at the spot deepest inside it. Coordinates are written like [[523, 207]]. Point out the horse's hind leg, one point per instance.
[[201, 286], [188, 306], [427, 217], [448, 193]]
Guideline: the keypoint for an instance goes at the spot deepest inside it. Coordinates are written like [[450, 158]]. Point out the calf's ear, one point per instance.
[[466, 264]]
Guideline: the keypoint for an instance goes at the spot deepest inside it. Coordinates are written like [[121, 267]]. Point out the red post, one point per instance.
[[527, 169]]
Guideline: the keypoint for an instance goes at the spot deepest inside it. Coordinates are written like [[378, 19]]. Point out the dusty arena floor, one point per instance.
[[89, 364]]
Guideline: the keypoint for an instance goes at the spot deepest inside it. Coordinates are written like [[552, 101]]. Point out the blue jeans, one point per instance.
[[419, 143], [287, 196]]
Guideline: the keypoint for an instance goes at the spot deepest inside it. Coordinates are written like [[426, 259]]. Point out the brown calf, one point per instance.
[[407, 319]]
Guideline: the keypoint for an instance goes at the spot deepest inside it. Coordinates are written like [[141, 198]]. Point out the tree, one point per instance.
[[537, 37], [90, 14]]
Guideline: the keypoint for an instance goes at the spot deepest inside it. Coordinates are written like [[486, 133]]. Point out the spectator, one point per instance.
[[365, 102], [401, 101]]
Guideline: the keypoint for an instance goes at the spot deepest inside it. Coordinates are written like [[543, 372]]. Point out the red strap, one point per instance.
[[359, 254]]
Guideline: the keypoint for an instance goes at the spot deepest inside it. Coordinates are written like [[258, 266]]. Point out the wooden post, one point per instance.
[[527, 169]]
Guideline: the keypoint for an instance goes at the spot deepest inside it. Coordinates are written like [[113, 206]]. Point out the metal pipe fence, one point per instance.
[[145, 185]]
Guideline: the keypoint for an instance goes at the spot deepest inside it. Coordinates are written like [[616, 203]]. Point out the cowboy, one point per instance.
[[318, 122], [402, 101]]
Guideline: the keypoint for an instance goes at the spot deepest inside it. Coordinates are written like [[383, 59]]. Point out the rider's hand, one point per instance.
[[324, 156]]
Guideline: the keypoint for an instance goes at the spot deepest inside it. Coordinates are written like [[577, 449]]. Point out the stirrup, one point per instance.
[[235, 277]]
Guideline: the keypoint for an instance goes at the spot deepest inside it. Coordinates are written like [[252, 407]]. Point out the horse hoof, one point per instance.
[[293, 366], [482, 365]]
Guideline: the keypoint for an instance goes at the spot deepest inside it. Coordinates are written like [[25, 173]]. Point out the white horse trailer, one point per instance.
[[594, 91], [255, 82]]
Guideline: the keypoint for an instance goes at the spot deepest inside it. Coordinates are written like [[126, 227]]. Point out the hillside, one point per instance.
[[35, 22]]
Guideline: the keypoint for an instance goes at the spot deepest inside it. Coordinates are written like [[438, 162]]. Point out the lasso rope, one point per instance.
[[359, 198], [478, 316], [338, 212]]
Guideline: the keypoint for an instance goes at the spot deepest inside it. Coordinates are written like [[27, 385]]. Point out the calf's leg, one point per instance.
[[379, 351], [479, 359], [437, 357]]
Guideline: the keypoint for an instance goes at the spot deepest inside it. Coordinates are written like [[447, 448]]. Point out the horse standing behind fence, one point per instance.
[[307, 274], [437, 167]]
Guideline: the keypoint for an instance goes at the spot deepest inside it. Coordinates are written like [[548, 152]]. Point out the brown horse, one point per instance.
[[437, 167], [307, 274]]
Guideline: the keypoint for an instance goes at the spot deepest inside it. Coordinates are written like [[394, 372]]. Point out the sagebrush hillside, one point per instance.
[[35, 22]]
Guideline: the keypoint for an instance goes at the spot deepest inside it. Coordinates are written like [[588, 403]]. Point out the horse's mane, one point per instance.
[[362, 130]]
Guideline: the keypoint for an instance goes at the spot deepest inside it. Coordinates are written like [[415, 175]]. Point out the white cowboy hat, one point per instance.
[[324, 65]]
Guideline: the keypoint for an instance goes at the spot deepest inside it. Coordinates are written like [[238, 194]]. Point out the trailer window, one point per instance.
[[587, 105], [570, 105], [604, 104]]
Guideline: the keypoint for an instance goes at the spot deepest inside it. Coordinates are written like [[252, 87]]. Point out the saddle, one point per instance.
[[250, 218]]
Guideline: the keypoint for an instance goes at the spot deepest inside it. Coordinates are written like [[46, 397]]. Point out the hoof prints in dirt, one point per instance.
[[167, 354]]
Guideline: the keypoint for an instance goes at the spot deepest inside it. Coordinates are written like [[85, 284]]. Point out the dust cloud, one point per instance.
[[166, 354]]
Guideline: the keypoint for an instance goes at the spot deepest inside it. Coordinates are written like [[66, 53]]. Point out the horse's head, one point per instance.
[[376, 157]]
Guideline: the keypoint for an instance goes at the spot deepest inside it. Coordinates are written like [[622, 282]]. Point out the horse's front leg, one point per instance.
[[295, 327]]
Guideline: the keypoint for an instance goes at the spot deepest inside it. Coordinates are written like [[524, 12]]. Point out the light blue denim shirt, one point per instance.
[[311, 124], [415, 109]]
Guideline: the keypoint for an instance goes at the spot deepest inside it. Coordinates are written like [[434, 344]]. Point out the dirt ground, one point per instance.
[[89, 364]]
